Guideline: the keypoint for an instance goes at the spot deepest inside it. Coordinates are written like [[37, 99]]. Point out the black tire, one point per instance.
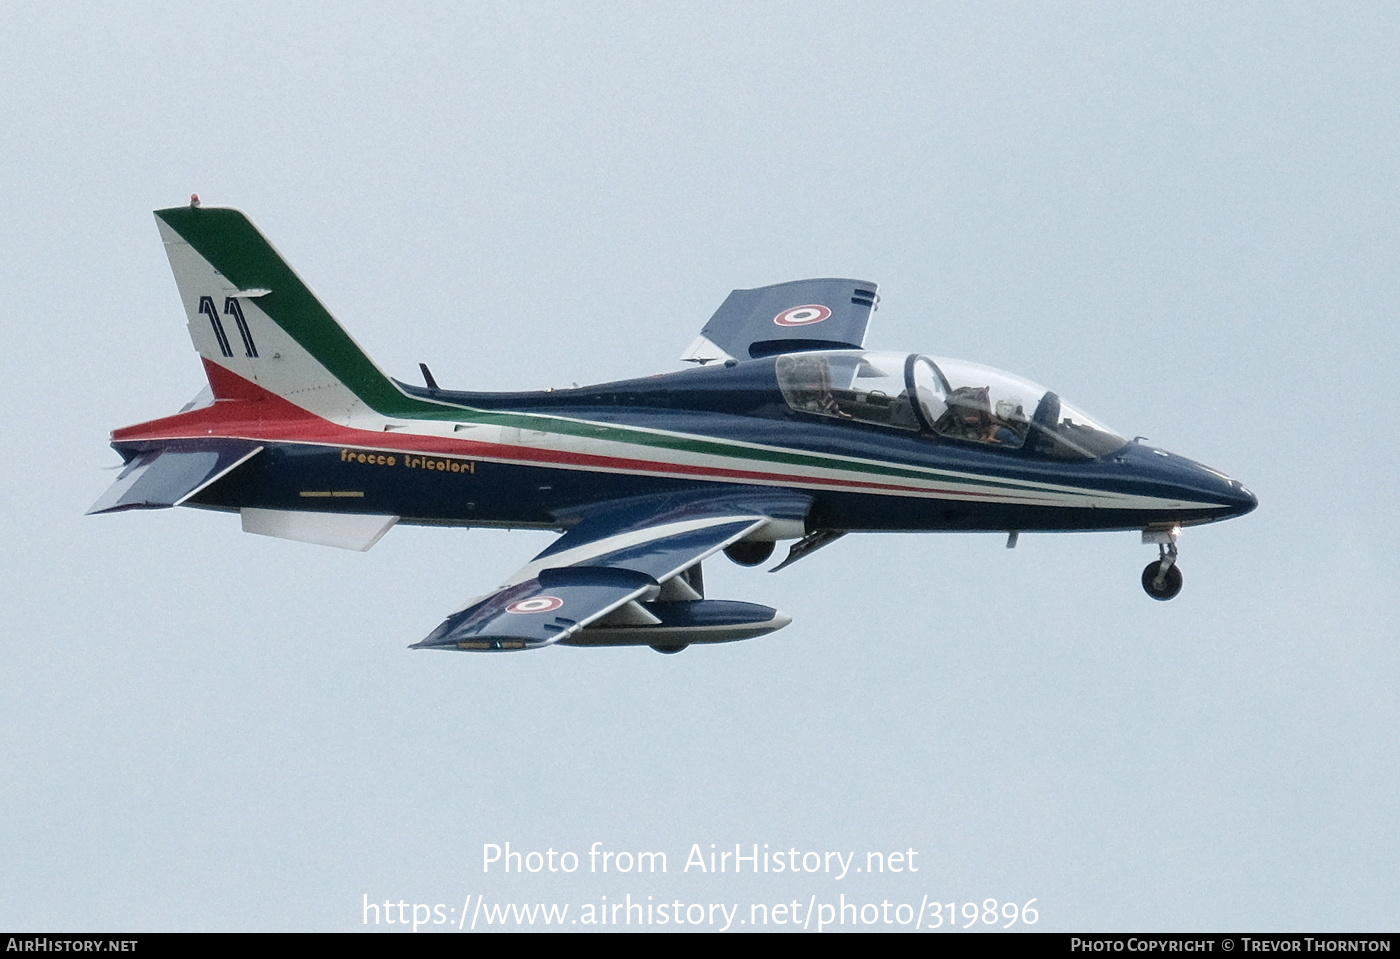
[[676, 648], [1171, 582], [749, 554]]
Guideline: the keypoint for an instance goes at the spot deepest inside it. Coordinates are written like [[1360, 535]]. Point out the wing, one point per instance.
[[622, 577], [829, 314]]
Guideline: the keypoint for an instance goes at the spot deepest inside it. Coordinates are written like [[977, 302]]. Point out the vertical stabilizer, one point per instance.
[[251, 316]]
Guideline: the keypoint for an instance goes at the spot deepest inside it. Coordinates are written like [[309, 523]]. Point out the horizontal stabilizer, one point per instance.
[[165, 477]]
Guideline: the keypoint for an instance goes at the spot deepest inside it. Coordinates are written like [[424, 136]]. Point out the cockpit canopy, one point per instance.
[[937, 397]]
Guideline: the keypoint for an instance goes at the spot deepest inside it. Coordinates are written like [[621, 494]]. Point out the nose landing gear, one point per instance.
[[1162, 578]]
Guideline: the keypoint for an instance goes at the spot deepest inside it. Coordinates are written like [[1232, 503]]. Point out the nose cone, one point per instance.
[[1193, 492], [1231, 494], [1244, 500]]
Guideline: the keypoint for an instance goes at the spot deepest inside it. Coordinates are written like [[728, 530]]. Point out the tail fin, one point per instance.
[[251, 316]]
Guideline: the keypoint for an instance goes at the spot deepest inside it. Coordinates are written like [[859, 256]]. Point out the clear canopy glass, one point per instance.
[[944, 398]]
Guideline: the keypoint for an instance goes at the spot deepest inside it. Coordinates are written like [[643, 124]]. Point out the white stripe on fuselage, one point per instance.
[[935, 484]]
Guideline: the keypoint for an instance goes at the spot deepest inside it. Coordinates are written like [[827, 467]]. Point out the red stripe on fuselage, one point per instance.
[[244, 410]]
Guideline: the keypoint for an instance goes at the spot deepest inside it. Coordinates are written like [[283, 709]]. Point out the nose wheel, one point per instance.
[[1162, 578]]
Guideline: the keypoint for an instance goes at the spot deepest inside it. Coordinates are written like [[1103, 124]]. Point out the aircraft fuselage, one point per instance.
[[499, 459]]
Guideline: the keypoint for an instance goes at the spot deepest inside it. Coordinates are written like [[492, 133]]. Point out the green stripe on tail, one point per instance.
[[234, 247]]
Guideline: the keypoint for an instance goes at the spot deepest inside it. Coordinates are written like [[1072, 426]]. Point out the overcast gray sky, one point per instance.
[[1182, 217]]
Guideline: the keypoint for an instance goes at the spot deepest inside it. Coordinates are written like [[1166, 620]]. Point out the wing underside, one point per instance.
[[627, 576]]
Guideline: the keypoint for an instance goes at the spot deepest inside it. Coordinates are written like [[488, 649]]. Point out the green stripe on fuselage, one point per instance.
[[729, 451]]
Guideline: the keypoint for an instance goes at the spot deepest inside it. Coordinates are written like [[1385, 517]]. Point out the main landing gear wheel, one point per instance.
[[1161, 584], [749, 553], [671, 648]]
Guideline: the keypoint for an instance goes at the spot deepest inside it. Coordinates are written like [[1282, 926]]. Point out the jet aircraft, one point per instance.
[[786, 428]]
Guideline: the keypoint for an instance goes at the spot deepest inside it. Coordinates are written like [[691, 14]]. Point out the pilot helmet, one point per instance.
[[1010, 411]]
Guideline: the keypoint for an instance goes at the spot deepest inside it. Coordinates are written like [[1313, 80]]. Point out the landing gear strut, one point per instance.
[[1162, 578]]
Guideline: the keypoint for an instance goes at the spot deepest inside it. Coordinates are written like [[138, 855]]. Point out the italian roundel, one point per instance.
[[536, 604], [802, 315]]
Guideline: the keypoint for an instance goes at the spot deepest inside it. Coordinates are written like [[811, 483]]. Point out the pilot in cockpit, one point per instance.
[[969, 417], [1010, 424]]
